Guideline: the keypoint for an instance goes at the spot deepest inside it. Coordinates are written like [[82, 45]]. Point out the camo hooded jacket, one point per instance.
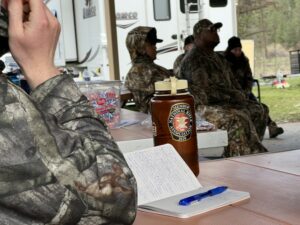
[[177, 64], [140, 81], [58, 163], [144, 72]]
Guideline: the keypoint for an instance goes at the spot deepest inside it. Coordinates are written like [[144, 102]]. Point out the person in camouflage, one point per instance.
[[58, 163], [218, 96], [141, 44], [240, 67], [188, 45]]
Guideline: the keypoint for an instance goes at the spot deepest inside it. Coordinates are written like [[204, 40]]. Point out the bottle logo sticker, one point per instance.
[[180, 122]]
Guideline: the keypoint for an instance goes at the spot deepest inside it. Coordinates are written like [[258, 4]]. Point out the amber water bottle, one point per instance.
[[173, 119]]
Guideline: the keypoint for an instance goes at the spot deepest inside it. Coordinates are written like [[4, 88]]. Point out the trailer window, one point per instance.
[[161, 10], [192, 4], [194, 8], [218, 3]]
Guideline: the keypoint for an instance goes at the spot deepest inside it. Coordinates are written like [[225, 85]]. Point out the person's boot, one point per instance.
[[274, 130]]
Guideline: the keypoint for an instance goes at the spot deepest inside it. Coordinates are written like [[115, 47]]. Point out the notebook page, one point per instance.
[[160, 172]]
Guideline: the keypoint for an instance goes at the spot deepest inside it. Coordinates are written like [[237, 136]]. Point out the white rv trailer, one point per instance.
[[84, 42]]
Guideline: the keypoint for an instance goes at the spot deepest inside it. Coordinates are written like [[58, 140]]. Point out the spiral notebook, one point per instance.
[[163, 178]]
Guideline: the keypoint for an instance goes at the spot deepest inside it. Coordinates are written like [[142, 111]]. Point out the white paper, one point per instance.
[[160, 173], [170, 206]]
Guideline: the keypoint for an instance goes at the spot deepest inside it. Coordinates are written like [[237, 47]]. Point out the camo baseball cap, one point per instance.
[[205, 24], [136, 39]]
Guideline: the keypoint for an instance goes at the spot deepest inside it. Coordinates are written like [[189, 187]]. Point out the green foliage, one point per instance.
[[274, 21], [284, 104], [274, 25]]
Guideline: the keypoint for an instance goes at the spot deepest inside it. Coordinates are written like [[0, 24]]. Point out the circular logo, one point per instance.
[[180, 122]]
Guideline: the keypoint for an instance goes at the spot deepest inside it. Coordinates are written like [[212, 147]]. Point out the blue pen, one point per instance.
[[197, 197]]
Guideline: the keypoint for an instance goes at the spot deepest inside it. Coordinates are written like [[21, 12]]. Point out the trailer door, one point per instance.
[[162, 14], [215, 10]]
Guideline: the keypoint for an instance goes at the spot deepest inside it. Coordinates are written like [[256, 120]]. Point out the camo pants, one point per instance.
[[242, 136]]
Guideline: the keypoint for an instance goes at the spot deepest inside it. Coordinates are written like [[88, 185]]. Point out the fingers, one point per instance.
[[15, 16], [37, 10], [53, 23], [51, 18]]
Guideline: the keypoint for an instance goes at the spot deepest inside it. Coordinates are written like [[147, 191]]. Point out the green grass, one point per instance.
[[284, 104]]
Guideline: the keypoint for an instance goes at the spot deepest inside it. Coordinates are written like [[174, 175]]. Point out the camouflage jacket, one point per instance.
[[58, 163], [241, 70], [210, 78], [177, 64], [140, 81]]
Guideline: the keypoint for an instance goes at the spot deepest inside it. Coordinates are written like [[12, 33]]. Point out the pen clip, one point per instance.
[[197, 197]]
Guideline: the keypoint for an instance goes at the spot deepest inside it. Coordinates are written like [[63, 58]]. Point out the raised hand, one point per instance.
[[33, 35]]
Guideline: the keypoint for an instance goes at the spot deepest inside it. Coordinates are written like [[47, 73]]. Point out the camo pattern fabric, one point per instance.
[[58, 163], [3, 22], [4, 48], [212, 84], [140, 81], [144, 72], [177, 64], [135, 41], [241, 70]]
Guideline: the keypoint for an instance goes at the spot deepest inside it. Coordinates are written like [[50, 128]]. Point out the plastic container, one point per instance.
[[105, 98], [173, 119]]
